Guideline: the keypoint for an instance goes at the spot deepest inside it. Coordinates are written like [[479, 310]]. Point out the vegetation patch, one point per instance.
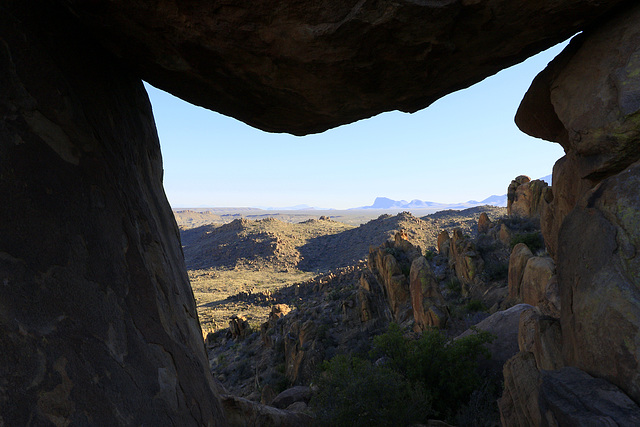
[[404, 381], [533, 240]]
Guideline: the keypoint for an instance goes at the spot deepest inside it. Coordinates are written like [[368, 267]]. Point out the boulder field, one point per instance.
[[97, 320]]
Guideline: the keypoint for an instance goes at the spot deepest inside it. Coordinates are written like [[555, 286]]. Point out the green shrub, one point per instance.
[[413, 380], [446, 369], [355, 392], [494, 270], [481, 410], [475, 305], [454, 285], [430, 254], [533, 240]]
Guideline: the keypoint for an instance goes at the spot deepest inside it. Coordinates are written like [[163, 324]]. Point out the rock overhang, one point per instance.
[[302, 67]]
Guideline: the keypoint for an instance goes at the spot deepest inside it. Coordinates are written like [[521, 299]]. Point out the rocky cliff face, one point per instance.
[[587, 100], [97, 318]]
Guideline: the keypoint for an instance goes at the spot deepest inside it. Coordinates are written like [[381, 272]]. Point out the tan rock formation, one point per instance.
[[511, 190], [444, 243], [484, 223], [526, 198], [426, 300], [542, 336], [464, 258], [301, 356], [520, 255], [535, 280], [238, 326], [385, 262], [505, 235]]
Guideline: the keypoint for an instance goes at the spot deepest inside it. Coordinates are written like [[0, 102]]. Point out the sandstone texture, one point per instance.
[[464, 258], [304, 67], [98, 323], [484, 223]]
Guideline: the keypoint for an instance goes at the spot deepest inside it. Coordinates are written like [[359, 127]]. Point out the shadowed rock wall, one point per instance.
[[98, 324]]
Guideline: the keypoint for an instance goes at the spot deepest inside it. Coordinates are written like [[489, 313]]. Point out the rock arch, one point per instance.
[[97, 319]]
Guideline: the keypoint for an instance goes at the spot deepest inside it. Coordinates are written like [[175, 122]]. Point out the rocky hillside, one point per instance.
[[460, 284], [313, 245]]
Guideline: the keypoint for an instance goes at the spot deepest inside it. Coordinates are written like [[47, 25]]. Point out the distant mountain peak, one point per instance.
[[387, 203]]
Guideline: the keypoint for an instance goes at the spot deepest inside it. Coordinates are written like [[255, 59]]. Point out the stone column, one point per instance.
[[98, 324]]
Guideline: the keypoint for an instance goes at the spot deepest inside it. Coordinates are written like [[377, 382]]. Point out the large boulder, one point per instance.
[[564, 397], [505, 326], [541, 335], [598, 273], [304, 67], [587, 100], [242, 412], [535, 280]]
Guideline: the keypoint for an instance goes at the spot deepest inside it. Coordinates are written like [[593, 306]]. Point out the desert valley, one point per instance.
[[284, 297]]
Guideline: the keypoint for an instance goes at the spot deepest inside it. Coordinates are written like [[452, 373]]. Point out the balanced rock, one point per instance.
[[98, 321]]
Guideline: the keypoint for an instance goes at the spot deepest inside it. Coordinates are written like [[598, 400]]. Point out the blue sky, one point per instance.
[[464, 146]]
